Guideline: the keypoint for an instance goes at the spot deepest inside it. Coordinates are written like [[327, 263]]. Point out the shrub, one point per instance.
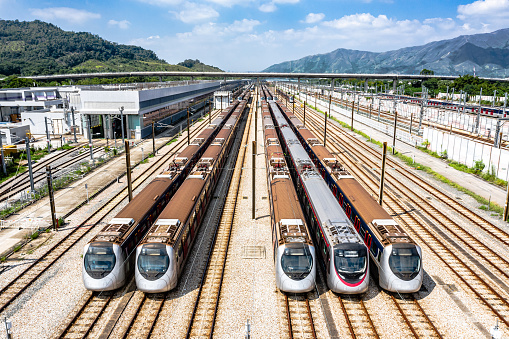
[[479, 166]]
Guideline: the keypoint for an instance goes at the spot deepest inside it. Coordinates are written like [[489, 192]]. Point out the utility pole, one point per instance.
[[422, 113], [256, 122], [29, 159], [325, 130], [73, 125], [210, 113], [188, 127], [254, 181], [330, 101], [394, 136], [90, 139], [478, 119], [47, 134], [153, 138], [382, 175], [128, 166], [506, 209], [51, 197], [351, 124], [121, 109], [305, 113], [3, 158]]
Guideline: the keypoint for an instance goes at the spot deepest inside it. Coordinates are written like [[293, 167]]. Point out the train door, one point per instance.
[[357, 223], [367, 240]]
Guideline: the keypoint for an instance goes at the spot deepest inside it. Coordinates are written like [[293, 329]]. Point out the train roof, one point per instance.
[[386, 229], [212, 151], [135, 210], [286, 204], [182, 202], [188, 152]]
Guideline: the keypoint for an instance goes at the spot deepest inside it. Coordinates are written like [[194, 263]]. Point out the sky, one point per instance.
[[251, 35]]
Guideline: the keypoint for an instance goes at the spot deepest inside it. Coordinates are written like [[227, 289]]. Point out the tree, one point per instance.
[[427, 72]]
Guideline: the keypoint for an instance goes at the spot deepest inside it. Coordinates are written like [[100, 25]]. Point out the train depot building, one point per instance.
[[56, 110]]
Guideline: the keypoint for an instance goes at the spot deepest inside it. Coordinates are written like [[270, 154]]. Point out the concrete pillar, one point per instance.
[[365, 85], [394, 85]]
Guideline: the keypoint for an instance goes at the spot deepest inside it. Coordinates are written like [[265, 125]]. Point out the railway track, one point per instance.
[[204, 313], [456, 233], [298, 315], [87, 316], [414, 220], [357, 317], [405, 122], [32, 271], [414, 316], [145, 317], [23, 182]]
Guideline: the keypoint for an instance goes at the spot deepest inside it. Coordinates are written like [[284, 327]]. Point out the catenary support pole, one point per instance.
[[506, 209], [128, 170], [51, 197], [394, 136], [254, 181], [29, 159], [122, 122], [382, 175], [73, 124], [325, 130], [188, 128], [90, 139], [47, 134], [154, 138], [305, 113], [351, 123], [4, 169]]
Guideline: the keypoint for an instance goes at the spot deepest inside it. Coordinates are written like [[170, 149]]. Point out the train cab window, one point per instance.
[[405, 261], [350, 260], [297, 261], [99, 260], [153, 261]]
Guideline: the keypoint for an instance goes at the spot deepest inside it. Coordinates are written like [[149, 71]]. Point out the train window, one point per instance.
[[405, 261], [374, 250], [153, 261], [357, 224]]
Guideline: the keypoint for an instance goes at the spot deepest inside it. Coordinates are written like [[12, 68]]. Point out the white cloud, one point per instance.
[[271, 6], [292, 2], [268, 7], [230, 3], [486, 15], [312, 18], [71, 15], [162, 3], [243, 26], [124, 24], [484, 8], [193, 13]]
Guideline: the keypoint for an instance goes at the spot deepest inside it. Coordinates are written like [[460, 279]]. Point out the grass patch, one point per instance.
[[171, 141], [498, 210]]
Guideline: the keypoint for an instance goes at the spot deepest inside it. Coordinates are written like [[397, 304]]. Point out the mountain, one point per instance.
[[488, 53], [36, 47]]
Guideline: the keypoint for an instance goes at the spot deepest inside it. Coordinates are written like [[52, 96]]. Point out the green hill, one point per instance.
[[38, 48]]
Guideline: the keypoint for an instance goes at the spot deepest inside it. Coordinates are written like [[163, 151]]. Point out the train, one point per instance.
[[293, 250], [341, 250], [162, 253], [108, 259], [396, 260]]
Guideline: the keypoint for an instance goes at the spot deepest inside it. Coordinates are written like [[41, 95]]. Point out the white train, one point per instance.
[[294, 253], [342, 250]]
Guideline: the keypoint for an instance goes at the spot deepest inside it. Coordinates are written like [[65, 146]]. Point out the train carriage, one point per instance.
[[342, 251], [396, 257], [161, 255], [108, 258], [294, 253]]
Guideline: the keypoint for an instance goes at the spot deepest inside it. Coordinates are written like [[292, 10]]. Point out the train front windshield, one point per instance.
[[405, 261], [350, 261], [297, 261], [99, 259], [153, 261]]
